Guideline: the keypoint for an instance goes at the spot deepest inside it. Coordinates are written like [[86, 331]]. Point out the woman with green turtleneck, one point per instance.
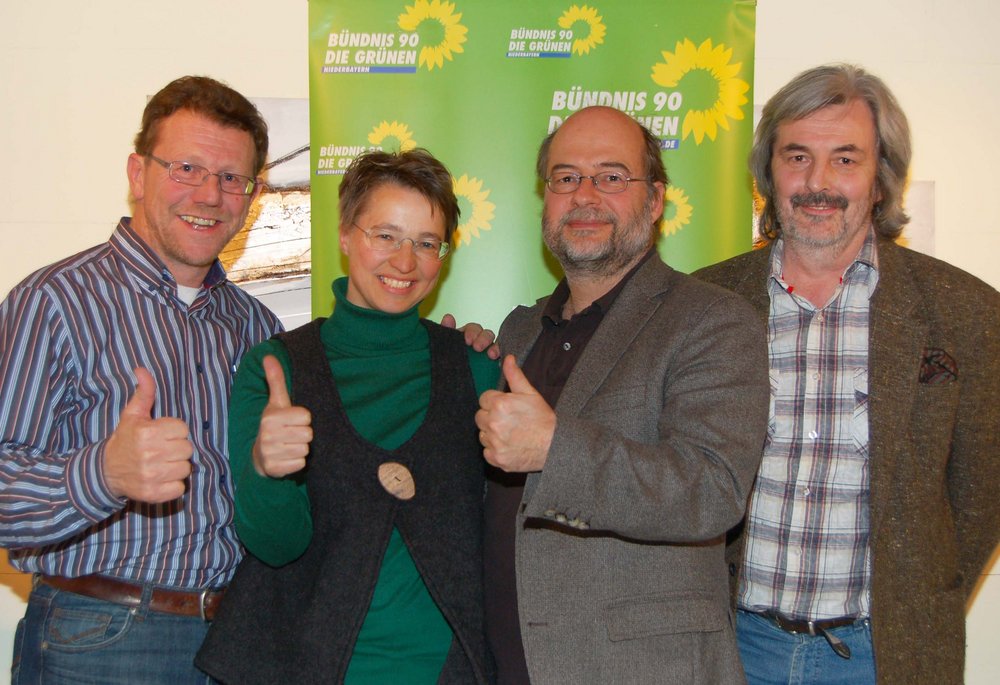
[[357, 468]]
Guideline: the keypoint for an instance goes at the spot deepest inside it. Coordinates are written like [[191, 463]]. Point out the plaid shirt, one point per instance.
[[807, 553]]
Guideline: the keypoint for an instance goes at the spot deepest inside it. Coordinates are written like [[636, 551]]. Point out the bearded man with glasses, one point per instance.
[[627, 442]]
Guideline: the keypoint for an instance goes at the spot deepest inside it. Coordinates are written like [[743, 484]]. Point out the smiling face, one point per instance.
[[824, 168], [392, 281], [588, 231], [187, 226]]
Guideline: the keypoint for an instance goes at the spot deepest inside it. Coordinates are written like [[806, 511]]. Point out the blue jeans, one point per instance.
[[773, 657], [66, 638]]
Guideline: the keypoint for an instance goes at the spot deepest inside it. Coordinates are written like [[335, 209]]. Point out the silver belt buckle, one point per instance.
[[201, 604]]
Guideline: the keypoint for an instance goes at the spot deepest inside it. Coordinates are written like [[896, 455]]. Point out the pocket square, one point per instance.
[[937, 366]]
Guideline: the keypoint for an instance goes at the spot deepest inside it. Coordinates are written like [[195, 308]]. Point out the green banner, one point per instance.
[[479, 84]]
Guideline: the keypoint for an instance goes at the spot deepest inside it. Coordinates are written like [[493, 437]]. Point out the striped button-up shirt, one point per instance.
[[807, 553], [70, 336]]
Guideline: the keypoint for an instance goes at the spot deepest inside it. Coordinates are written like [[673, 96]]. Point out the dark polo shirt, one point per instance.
[[548, 367]]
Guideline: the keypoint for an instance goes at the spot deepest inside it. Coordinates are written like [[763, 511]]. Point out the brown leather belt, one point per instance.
[[201, 603], [814, 628]]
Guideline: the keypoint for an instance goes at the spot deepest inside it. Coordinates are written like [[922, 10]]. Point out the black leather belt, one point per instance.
[[801, 627], [822, 627]]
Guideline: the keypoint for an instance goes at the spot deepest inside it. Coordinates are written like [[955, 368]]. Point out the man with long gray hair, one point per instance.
[[874, 511]]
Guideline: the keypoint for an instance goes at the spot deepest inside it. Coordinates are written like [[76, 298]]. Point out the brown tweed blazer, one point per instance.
[[934, 451]]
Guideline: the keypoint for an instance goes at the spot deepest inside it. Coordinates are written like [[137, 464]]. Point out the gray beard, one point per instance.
[[629, 241], [796, 228]]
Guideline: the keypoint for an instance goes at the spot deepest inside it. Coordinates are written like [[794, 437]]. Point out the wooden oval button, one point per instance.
[[397, 480]]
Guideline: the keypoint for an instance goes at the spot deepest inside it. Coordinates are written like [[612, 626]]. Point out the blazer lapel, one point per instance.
[[754, 284], [636, 303], [897, 333], [630, 312], [519, 337]]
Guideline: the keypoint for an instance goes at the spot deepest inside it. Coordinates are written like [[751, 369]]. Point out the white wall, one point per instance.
[[74, 77]]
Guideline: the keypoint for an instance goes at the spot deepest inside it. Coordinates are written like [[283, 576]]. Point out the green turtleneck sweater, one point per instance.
[[381, 363]]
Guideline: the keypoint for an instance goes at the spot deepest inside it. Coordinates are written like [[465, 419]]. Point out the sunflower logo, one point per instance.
[[590, 17], [444, 14], [471, 189], [400, 132], [676, 198], [730, 91]]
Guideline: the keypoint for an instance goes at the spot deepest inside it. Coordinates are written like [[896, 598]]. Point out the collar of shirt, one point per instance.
[[147, 265], [552, 313], [864, 268]]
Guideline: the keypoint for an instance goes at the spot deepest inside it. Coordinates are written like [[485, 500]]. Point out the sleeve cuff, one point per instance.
[[86, 487]]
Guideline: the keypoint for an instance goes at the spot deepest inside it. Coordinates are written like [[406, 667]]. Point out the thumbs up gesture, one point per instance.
[[515, 427], [147, 459], [285, 430]]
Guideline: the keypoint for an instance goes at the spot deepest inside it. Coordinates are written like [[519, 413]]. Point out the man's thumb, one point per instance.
[[516, 380], [141, 404], [275, 375]]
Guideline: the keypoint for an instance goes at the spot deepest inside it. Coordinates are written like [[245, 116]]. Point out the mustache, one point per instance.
[[587, 214], [819, 199]]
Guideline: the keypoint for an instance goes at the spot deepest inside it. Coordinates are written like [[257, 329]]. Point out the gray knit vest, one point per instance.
[[298, 623]]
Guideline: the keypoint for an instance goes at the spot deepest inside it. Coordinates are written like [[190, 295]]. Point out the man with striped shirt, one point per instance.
[[874, 511], [115, 369]]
